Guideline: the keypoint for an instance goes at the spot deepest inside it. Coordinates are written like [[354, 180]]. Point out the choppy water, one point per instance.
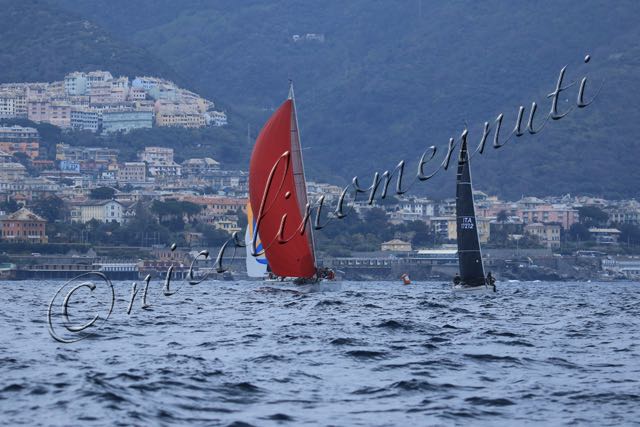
[[220, 353]]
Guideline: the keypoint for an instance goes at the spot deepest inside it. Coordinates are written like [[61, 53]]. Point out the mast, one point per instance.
[[297, 164], [469, 253]]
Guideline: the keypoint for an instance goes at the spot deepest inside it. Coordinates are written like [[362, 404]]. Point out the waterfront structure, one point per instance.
[[24, 226], [396, 245], [627, 267]]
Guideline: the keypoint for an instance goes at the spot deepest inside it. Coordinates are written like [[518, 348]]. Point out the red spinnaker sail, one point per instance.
[[278, 144]]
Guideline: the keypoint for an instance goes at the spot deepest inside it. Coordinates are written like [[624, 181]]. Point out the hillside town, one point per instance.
[[88, 209], [98, 102]]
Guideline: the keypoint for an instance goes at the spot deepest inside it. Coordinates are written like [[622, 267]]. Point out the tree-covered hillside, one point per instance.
[[42, 42], [394, 77]]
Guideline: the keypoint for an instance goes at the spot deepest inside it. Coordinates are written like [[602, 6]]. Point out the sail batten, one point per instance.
[[469, 253]]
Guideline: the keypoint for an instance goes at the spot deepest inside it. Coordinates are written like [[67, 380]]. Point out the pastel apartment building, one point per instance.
[[24, 226], [18, 139], [126, 119], [131, 173], [98, 102], [547, 234]]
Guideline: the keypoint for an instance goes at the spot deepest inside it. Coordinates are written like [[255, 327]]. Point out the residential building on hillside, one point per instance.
[[5, 157], [7, 107], [215, 205], [10, 172], [145, 82], [100, 210], [59, 114], [23, 226], [625, 213], [97, 77], [532, 211], [86, 119], [153, 155], [18, 139], [132, 173], [75, 83], [547, 234], [186, 120], [74, 153], [216, 118], [160, 161], [197, 167], [126, 119], [421, 207]]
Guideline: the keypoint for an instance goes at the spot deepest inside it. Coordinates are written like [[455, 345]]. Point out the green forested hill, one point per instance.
[[394, 77], [42, 42]]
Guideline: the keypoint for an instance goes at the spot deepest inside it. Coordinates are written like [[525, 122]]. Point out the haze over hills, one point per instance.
[[392, 78]]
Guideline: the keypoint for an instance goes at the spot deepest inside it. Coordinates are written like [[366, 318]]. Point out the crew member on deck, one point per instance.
[[491, 281]]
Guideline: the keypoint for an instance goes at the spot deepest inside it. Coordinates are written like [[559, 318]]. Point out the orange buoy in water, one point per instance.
[[405, 279]]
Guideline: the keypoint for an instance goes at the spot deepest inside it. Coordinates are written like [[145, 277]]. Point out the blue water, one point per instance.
[[374, 354]]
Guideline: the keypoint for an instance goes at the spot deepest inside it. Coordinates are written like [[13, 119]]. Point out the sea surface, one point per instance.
[[373, 354]]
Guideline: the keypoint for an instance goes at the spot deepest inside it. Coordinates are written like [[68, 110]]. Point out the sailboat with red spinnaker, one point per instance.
[[278, 197]]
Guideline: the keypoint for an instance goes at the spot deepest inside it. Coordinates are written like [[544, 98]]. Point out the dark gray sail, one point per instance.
[[469, 255]]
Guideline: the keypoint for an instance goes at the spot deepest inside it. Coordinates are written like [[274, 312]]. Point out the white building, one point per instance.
[[100, 210], [75, 83]]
